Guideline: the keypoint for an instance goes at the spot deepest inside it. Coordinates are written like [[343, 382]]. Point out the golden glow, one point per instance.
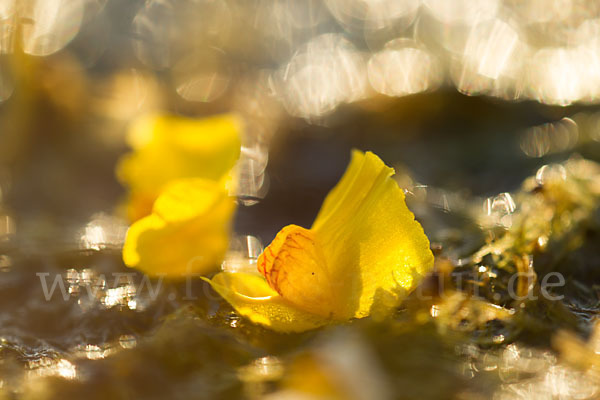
[[373, 15], [462, 11], [46, 366], [402, 68], [324, 73], [54, 23], [555, 76], [549, 138], [103, 231]]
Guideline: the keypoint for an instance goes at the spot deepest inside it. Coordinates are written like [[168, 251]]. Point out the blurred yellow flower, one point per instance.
[[168, 148], [364, 252], [176, 177], [187, 231]]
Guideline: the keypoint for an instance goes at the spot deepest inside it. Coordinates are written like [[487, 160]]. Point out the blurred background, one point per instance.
[[464, 98]]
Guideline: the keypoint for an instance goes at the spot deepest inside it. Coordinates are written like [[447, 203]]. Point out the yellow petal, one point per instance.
[[370, 237], [365, 250], [187, 232], [252, 298], [168, 148]]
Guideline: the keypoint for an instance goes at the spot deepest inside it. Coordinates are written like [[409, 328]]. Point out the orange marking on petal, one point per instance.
[[295, 267]]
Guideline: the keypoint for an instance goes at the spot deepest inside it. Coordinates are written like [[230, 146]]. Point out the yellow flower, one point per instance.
[[364, 252], [177, 197], [187, 232], [168, 148]]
